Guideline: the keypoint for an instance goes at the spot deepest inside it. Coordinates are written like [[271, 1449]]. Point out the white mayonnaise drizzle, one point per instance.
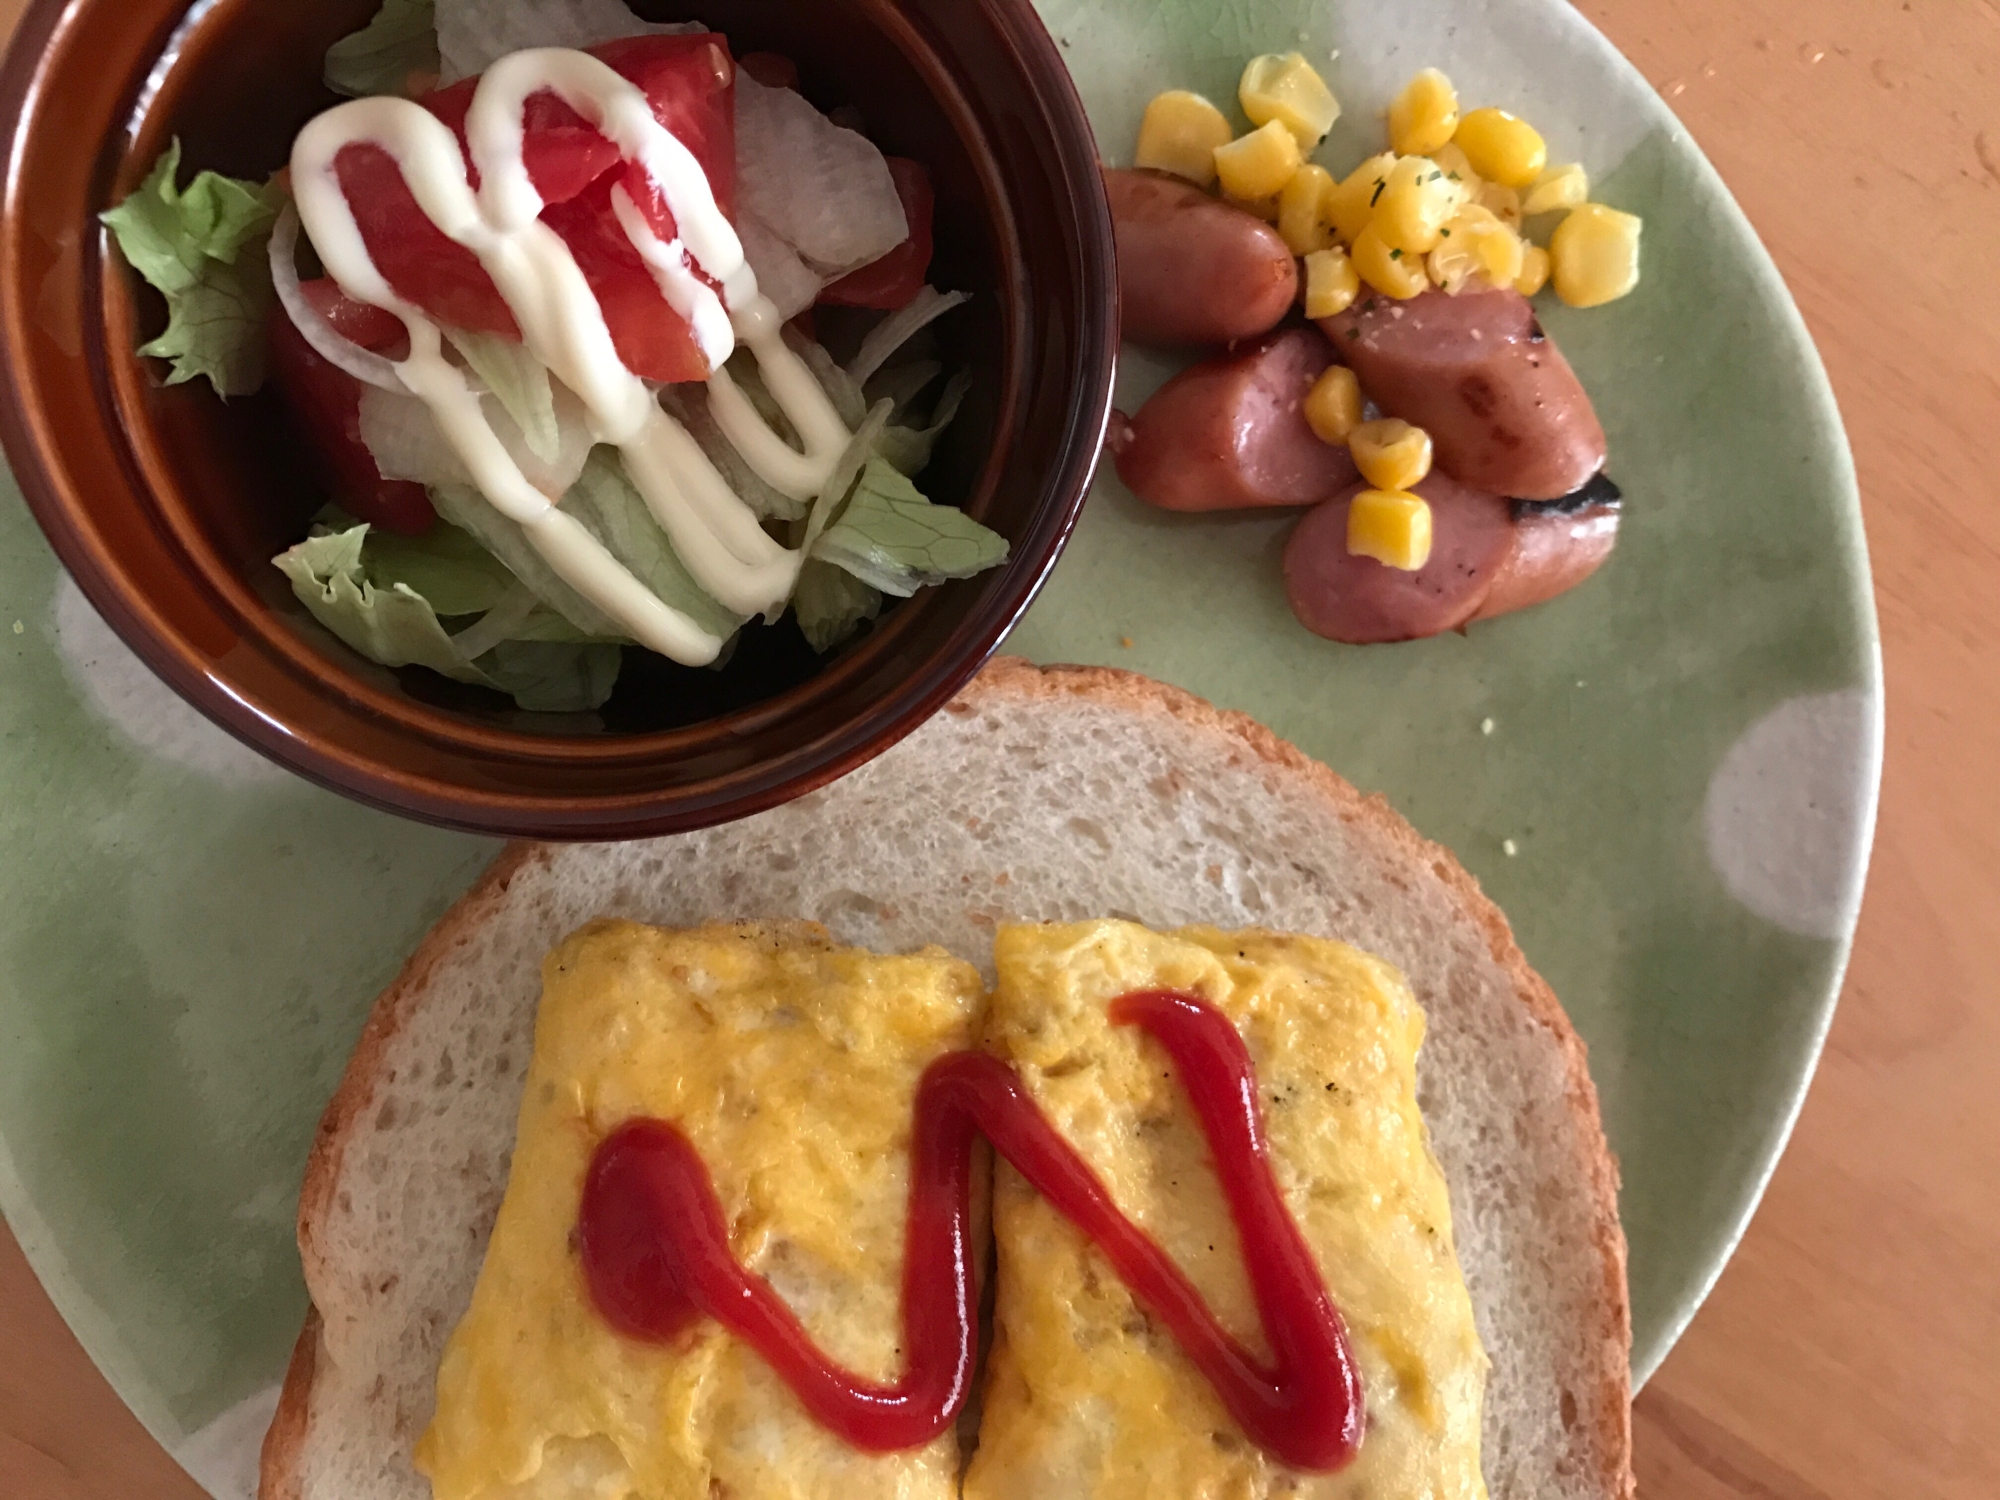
[[715, 534]]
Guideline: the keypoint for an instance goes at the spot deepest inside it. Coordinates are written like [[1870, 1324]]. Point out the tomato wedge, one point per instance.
[[691, 83], [327, 402], [895, 279]]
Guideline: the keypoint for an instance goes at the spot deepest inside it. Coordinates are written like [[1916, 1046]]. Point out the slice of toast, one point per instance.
[[1039, 795]]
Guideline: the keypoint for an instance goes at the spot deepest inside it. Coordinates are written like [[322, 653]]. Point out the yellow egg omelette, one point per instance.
[[792, 1065], [1086, 1397]]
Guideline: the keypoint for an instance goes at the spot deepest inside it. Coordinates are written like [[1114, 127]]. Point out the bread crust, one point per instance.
[[278, 1476], [1011, 680]]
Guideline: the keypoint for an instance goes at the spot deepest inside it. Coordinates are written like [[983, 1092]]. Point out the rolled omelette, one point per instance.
[[1087, 1397], [792, 1065]]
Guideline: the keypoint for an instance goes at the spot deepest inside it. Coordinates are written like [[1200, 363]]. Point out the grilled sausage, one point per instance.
[[1489, 556], [1231, 433], [1504, 409], [1553, 553], [1193, 269]]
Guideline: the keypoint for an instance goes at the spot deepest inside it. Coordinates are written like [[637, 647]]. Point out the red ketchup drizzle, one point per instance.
[[656, 1253]]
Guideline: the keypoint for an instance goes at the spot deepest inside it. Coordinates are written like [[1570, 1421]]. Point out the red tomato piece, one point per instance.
[[327, 402], [656, 347], [690, 81], [897, 277]]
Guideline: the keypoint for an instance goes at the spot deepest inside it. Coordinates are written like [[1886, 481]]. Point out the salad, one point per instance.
[[555, 298]]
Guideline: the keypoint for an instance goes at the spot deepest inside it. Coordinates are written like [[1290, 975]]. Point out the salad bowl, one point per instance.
[[168, 504]]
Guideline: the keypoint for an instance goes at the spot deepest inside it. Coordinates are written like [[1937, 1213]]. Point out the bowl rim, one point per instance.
[[36, 452]]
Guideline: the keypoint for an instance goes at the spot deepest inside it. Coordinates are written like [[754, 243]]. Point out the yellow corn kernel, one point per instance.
[[1424, 115], [1594, 255], [1503, 202], [1259, 164], [1332, 283], [1475, 247], [1534, 271], [1395, 273], [1560, 189], [1302, 217], [1266, 209], [1352, 204], [1390, 453], [1179, 135], [1285, 88], [1333, 405], [1455, 164], [1416, 204], [1502, 147], [1391, 527]]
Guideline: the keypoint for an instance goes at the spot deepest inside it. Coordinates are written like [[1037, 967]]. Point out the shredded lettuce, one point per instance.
[[831, 604], [455, 575], [520, 382], [384, 57], [203, 247], [605, 503], [689, 405], [903, 383], [388, 621], [833, 495], [892, 538], [611, 509], [910, 448], [843, 391]]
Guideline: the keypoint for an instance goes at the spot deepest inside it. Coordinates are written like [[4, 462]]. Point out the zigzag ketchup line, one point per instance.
[[656, 1253]]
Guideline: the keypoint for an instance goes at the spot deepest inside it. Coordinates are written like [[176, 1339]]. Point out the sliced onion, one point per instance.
[[330, 345]]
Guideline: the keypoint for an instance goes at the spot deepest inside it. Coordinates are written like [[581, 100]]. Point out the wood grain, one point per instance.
[[1850, 1348]]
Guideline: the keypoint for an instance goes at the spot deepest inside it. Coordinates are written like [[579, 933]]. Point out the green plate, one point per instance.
[[1667, 778]]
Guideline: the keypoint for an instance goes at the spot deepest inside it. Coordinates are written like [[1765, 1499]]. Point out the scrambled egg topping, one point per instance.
[[792, 1065], [1086, 1397]]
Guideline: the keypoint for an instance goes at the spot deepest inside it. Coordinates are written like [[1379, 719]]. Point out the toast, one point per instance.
[[1060, 794]]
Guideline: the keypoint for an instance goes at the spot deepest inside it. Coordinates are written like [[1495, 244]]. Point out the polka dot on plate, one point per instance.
[[1791, 810], [124, 691]]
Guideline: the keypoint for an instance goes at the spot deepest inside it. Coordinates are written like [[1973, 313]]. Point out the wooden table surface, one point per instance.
[[1852, 1349]]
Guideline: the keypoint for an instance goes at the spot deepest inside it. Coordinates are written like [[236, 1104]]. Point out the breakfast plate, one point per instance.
[[1667, 778]]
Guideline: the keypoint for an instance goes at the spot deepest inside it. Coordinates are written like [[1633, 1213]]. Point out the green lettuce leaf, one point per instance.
[[551, 677], [895, 540], [831, 604], [604, 500], [607, 506], [521, 384], [909, 449], [203, 247], [389, 622], [465, 507], [447, 566], [381, 57]]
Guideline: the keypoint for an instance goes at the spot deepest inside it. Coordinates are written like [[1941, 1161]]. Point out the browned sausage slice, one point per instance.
[[1193, 269], [1231, 433], [1553, 553], [1475, 370], [1361, 601]]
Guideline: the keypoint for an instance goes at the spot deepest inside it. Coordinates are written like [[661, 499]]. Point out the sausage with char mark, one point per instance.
[[1476, 371]]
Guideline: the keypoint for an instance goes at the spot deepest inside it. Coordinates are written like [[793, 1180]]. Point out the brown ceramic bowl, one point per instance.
[[167, 505]]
